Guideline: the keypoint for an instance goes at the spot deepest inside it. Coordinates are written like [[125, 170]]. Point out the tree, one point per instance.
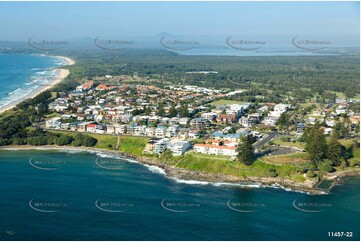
[[310, 174], [160, 110], [147, 110], [166, 155], [245, 151], [334, 150], [183, 112], [283, 122], [341, 129], [316, 144], [84, 140], [136, 112], [357, 128], [325, 167], [64, 140], [272, 172], [172, 111], [19, 141], [89, 141], [42, 109], [232, 130], [39, 140]]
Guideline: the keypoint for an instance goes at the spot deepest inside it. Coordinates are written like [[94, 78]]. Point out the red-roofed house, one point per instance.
[[86, 86], [91, 128]]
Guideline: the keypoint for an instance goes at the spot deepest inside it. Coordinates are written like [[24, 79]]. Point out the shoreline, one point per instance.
[[182, 175], [63, 73]]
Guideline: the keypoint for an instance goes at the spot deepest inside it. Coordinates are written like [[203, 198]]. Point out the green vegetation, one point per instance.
[[245, 151], [295, 159], [334, 150], [225, 102], [207, 165], [284, 121], [288, 141], [210, 157], [315, 143], [132, 145], [261, 78], [16, 126], [221, 165], [127, 144], [104, 141]]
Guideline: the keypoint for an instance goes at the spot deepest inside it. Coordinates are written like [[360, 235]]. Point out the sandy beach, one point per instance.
[[62, 73], [67, 59]]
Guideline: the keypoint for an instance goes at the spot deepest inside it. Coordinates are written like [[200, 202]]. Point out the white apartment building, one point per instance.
[[179, 147], [160, 132], [215, 149]]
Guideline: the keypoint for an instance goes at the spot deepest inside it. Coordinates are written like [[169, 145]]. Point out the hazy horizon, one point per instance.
[[334, 21]]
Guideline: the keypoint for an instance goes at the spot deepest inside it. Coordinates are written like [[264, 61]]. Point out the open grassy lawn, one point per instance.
[[53, 95], [206, 164], [346, 142], [127, 144], [209, 157], [291, 144], [308, 104], [342, 95], [295, 159], [62, 132], [104, 141], [261, 169], [355, 150], [225, 102], [257, 169], [132, 145], [52, 115]]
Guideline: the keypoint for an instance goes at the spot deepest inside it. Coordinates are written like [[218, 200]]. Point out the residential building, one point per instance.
[[200, 123], [179, 147], [215, 149], [160, 131], [160, 146]]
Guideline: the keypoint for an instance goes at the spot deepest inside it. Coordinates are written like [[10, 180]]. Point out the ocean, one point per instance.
[[72, 195], [23, 74]]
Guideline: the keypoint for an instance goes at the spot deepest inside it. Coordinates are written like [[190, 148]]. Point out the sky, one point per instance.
[[67, 20]]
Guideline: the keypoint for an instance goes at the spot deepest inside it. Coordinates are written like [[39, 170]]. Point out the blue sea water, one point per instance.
[[23, 74], [57, 195]]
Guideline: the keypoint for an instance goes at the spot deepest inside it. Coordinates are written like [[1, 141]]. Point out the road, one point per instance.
[[267, 137]]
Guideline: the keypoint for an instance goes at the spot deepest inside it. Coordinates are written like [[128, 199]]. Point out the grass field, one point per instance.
[[342, 95], [206, 164], [104, 141], [347, 142], [225, 102], [257, 169], [209, 157], [295, 159], [132, 145], [292, 144], [52, 115]]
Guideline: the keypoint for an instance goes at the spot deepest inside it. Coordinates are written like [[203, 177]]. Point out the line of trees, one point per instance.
[[325, 154]]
